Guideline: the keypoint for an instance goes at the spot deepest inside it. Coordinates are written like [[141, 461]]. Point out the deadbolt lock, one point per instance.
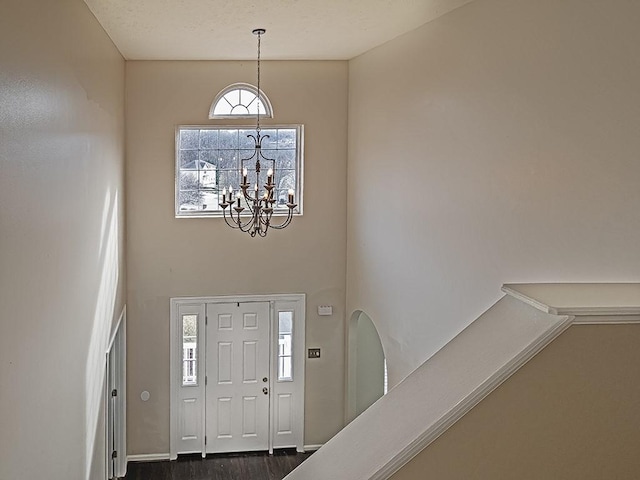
[[265, 379]]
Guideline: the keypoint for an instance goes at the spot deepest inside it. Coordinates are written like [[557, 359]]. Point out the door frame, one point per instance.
[[116, 411], [293, 389]]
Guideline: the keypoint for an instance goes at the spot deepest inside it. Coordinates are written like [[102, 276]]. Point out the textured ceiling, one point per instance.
[[296, 29]]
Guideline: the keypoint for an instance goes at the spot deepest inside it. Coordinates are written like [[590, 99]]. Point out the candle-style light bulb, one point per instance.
[[239, 197], [291, 192], [269, 176], [244, 176]]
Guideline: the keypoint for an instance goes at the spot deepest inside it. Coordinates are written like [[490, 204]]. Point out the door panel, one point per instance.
[[237, 410], [284, 414]]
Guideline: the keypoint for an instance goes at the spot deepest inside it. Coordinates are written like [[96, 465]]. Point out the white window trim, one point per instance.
[[281, 212], [262, 97]]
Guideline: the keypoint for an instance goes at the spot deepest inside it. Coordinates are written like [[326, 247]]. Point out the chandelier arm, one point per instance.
[[226, 219], [250, 202], [285, 223], [243, 227], [249, 225]]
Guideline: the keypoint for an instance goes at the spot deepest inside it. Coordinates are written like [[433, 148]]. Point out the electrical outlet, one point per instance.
[[314, 353]]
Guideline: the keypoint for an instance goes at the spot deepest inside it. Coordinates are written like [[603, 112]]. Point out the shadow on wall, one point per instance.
[[366, 365]]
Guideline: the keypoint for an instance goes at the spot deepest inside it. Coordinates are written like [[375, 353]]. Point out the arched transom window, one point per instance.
[[240, 100]]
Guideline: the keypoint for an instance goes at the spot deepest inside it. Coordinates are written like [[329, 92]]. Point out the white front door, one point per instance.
[[237, 369]]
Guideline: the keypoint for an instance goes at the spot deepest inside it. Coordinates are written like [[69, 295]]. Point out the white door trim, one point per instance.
[[195, 441], [115, 411], [278, 302]]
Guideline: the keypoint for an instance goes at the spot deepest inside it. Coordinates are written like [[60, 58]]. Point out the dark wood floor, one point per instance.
[[258, 466]]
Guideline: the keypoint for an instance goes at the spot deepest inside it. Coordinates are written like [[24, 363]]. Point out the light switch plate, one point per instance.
[[314, 353], [325, 310]]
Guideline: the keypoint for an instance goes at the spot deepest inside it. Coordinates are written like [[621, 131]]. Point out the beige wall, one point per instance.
[[571, 413], [171, 257], [61, 235], [498, 143]]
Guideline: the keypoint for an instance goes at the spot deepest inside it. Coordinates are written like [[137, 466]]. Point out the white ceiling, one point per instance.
[[296, 29]]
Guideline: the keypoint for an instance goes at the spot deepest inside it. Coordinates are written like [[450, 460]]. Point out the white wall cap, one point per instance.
[[579, 299]]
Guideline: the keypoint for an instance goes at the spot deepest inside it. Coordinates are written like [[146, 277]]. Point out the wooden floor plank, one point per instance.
[[259, 466]]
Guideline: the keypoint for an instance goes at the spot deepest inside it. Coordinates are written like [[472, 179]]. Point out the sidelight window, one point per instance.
[[285, 346], [189, 350]]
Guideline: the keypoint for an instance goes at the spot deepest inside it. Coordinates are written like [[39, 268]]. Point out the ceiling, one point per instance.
[[296, 29]]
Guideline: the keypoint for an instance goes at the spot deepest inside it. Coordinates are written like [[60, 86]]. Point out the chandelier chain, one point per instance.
[[258, 122]]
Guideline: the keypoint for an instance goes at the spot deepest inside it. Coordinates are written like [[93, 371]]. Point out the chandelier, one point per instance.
[[259, 201]]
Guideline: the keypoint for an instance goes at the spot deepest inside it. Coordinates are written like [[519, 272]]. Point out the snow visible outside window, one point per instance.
[[285, 346], [189, 350], [210, 159]]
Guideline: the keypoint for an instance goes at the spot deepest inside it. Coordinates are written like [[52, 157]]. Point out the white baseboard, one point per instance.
[[148, 457], [156, 457]]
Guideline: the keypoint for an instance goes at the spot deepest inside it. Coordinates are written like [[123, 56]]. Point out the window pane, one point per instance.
[[271, 141], [189, 139], [228, 178], [239, 110], [228, 159], [254, 106], [285, 322], [208, 139], [245, 140], [208, 179], [286, 159], [246, 97], [284, 369], [208, 159], [189, 350], [190, 200], [188, 159], [285, 346], [228, 139], [222, 108], [286, 138], [248, 155], [214, 161], [233, 97], [285, 179]]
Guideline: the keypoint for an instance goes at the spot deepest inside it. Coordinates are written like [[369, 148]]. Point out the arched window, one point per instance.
[[240, 100]]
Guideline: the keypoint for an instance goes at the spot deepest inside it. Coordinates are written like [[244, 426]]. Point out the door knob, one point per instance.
[[265, 390]]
